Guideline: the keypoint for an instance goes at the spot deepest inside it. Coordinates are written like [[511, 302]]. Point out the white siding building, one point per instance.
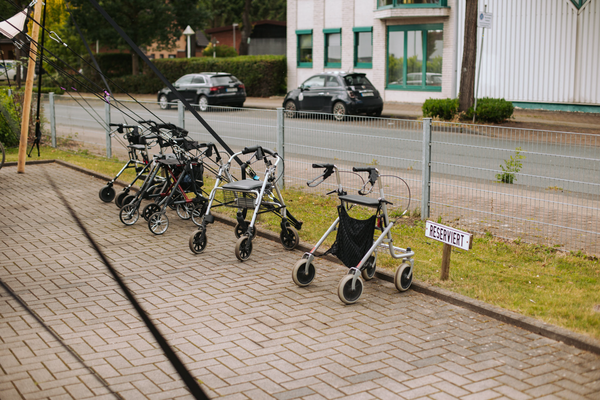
[[538, 53]]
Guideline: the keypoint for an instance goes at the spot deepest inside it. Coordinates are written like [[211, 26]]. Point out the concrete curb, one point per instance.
[[527, 323]]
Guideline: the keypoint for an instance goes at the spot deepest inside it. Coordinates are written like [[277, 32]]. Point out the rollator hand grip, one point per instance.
[[363, 169], [248, 150], [321, 178], [323, 165]]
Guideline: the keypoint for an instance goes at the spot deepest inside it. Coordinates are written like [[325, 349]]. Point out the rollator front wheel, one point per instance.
[[345, 292], [158, 223], [129, 214], [149, 210], [120, 197], [289, 238], [107, 193], [243, 248], [368, 271], [403, 277], [185, 210], [242, 229], [198, 241], [302, 277]]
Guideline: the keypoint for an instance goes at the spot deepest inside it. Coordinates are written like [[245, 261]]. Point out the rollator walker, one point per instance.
[[249, 194], [356, 243]]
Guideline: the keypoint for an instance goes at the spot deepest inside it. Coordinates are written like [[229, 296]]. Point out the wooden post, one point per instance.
[[29, 88], [445, 273]]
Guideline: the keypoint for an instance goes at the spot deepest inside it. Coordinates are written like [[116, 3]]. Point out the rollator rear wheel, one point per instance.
[[299, 274], [198, 213], [198, 241], [158, 223], [185, 210], [345, 292], [107, 193], [368, 271], [403, 277], [241, 229], [289, 238], [127, 199], [149, 210], [129, 214], [243, 248], [120, 197]]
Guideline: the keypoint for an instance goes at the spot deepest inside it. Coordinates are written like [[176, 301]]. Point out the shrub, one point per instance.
[[10, 120], [445, 109], [492, 110], [45, 89], [221, 51], [111, 65], [511, 167]]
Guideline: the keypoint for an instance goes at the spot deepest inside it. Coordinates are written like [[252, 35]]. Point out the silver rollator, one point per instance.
[[249, 194], [350, 287]]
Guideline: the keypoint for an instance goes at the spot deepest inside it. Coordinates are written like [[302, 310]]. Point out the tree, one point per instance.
[[146, 22], [466, 97]]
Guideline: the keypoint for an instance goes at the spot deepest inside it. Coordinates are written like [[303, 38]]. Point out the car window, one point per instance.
[[357, 80], [315, 81], [332, 81], [199, 79], [184, 80], [223, 80]]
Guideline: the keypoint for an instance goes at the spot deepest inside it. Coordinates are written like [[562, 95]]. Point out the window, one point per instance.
[[317, 81], [305, 56], [332, 81], [199, 80], [333, 48], [184, 80], [411, 3], [363, 47], [414, 57]]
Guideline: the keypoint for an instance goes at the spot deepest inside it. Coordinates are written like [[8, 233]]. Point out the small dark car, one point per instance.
[[339, 93], [204, 89]]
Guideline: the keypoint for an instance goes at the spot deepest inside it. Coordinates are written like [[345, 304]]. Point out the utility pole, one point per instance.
[[29, 88]]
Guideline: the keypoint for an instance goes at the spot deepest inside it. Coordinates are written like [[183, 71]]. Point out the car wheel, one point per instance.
[[339, 111], [202, 103], [376, 113], [290, 109], [163, 102]]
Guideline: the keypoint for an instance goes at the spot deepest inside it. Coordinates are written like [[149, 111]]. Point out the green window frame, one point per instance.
[[421, 74], [382, 4], [303, 37], [330, 34], [357, 32]]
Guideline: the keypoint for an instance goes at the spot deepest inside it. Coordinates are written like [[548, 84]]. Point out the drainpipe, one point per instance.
[[456, 12]]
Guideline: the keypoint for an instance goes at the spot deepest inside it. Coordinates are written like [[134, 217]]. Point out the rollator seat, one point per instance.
[[137, 146], [360, 200], [245, 185]]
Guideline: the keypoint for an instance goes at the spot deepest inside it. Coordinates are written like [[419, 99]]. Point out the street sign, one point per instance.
[[484, 20], [449, 236]]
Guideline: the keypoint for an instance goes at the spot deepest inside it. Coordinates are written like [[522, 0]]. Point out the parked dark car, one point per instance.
[[339, 93], [206, 89]]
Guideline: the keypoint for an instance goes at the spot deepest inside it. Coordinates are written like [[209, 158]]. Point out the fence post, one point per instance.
[[426, 168], [181, 110], [52, 119], [107, 120], [281, 143]]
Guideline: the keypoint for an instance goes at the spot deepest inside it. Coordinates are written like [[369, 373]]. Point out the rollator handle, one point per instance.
[[321, 178], [373, 176], [248, 150]]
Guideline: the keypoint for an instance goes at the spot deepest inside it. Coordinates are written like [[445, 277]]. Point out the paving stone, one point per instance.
[[245, 330]]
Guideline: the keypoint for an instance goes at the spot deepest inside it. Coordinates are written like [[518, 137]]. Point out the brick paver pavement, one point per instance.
[[245, 330]]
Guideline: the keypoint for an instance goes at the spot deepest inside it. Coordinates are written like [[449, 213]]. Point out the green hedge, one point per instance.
[[492, 110], [488, 110], [10, 120], [263, 76], [444, 109], [111, 64]]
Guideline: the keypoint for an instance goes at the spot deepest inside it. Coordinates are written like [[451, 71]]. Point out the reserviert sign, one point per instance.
[[448, 235]]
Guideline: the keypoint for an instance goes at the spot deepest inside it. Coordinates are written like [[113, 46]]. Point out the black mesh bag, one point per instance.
[[197, 175], [354, 238]]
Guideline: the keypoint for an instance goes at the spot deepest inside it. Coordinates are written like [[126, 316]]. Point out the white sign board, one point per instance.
[[484, 20], [447, 235]]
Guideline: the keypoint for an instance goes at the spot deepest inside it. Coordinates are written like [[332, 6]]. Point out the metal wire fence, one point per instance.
[[537, 186]]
